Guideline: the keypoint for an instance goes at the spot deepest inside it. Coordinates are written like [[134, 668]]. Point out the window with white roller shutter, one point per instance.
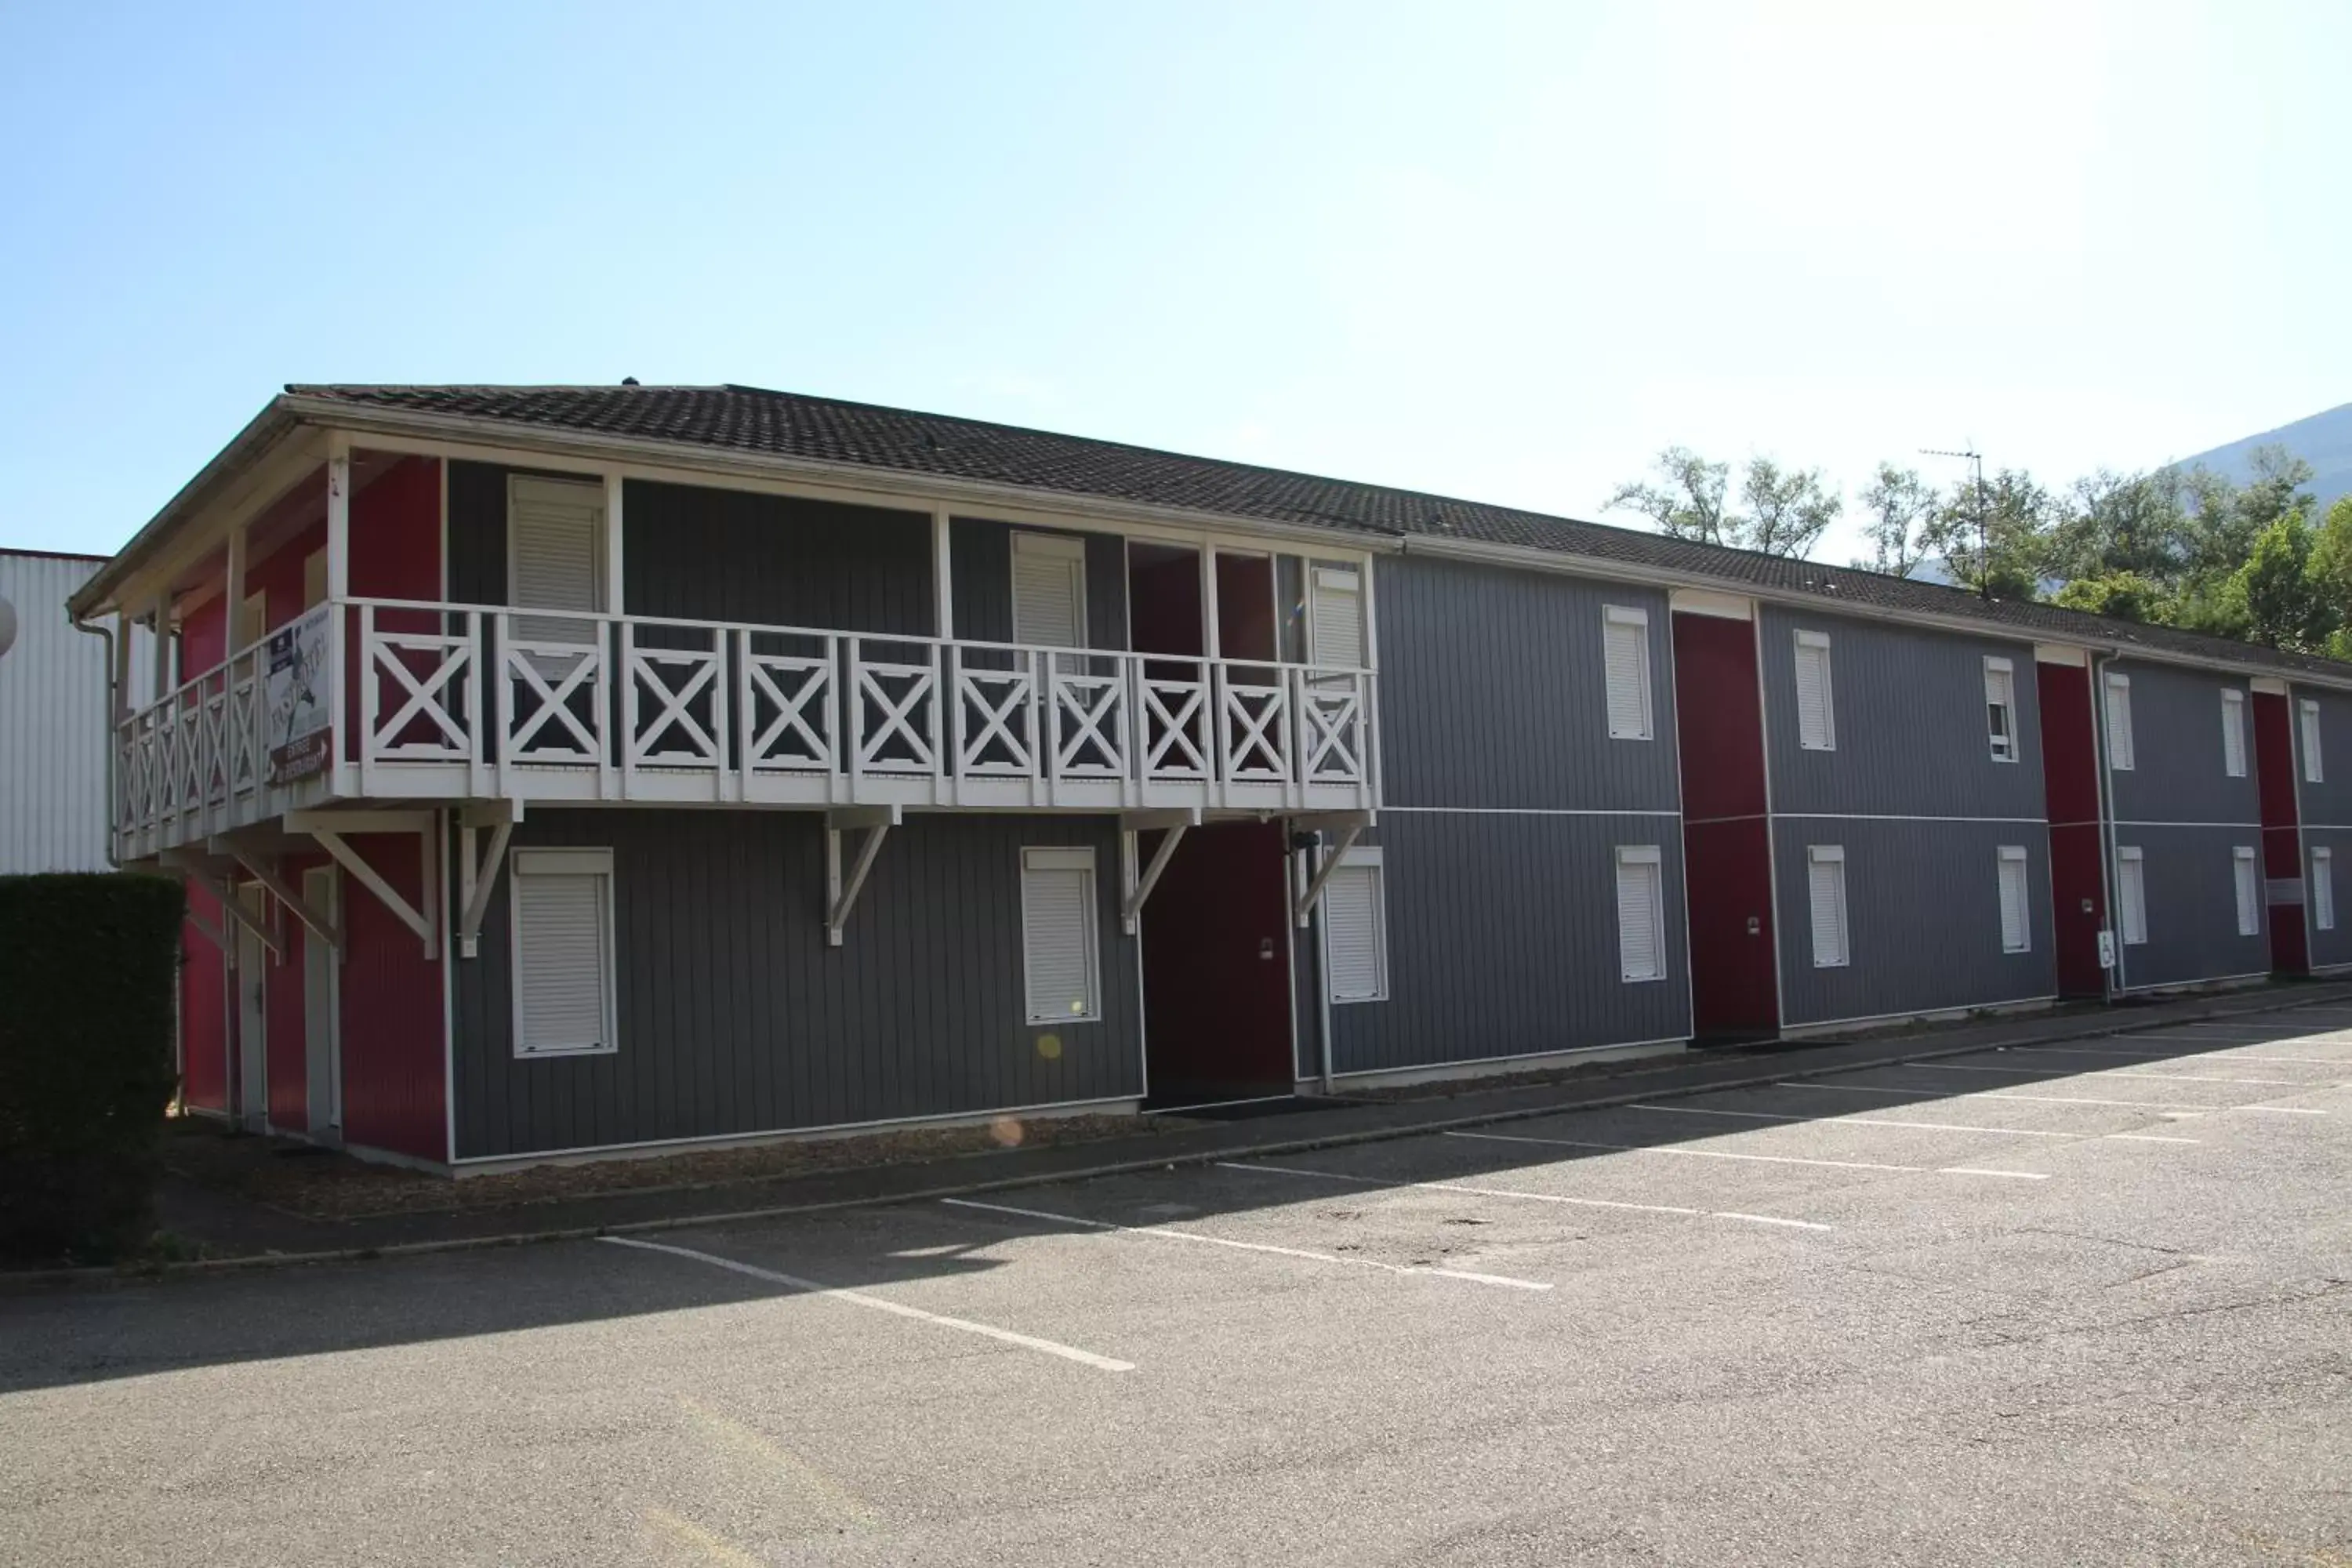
[[2016, 923], [1626, 649], [1641, 914], [2323, 888], [1825, 889], [2233, 733], [1061, 969], [1816, 702], [1336, 618], [560, 903], [1049, 590], [2248, 876], [2000, 709], [555, 556], [1355, 929], [2119, 722], [2131, 894], [2313, 771]]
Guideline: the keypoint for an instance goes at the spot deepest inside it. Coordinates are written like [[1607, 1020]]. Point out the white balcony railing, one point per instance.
[[443, 702]]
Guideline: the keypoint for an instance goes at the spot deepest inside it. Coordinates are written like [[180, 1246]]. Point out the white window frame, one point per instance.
[[2233, 733], [2323, 888], [2003, 673], [1364, 860], [2014, 855], [522, 864], [2115, 717], [1642, 855], [1065, 550], [2246, 888], [2131, 895], [1817, 643], [1829, 855], [1612, 618], [2315, 769], [1063, 858]]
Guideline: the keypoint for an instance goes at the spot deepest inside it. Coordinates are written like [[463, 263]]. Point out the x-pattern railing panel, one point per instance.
[[893, 728], [1331, 731], [1254, 734], [430, 696], [1175, 729], [998, 708], [790, 701], [579, 670], [1089, 726], [675, 679]]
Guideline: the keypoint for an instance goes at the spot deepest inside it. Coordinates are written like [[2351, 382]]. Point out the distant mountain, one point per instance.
[[2323, 440]]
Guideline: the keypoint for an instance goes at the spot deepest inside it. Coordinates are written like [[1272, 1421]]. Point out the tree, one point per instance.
[[2126, 595], [1688, 505], [1995, 535], [2274, 598], [1899, 502], [1788, 509]]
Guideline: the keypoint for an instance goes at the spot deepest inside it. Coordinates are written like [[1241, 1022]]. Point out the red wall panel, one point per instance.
[[1726, 843], [393, 1062], [396, 543], [2281, 827], [2070, 778], [204, 1010]]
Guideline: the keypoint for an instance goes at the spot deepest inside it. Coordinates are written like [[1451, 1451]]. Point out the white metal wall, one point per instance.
[[53, 722]]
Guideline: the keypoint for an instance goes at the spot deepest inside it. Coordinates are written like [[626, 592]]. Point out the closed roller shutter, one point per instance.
[[2016, 927], [563, 957], [1625, 634], [1355, 933], [555, 540], [1641, 916], [2313, 771], [1826, 885], [1057, 936], [2323, 888], [2119, 723], [2233, 733], [1337, 630], [1816, 703], [2131, 894], [1049, 591], [2250, 891]]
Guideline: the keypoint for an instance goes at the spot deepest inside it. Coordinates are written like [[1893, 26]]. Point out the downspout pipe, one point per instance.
[[117, 699], [2111, 922]]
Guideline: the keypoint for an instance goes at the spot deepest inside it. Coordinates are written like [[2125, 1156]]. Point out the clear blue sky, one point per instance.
[[1504, 252]]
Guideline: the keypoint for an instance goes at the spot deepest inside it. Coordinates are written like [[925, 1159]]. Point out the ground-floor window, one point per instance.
[[2131, 894], [563, 918], [2016, 928], [2323, 888], [1640, 913], [1062, 969], [1355, 929], [2249, 879], [1825, 886]]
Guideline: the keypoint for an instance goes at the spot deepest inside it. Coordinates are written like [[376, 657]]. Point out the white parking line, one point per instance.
[[896, 1309], [1530, 1197], [1170, 1233], [1728, 1154], [2202, 1056], [2119, 1072], [1913, 1126], [2163, 1105]]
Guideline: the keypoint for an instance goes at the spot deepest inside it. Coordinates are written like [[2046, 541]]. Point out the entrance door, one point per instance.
[[1216, 968], [252, 1018], [323, 1050]]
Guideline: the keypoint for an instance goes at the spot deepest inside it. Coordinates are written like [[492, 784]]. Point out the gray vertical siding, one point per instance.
[[732, 555], [1492, 694], [736, 1018], [2327, 804], [1909, 722], [979, 564], [1923, 919], [1502, 941], [2177, 748], [2192, 906], [2330, 949], [1505, 800]]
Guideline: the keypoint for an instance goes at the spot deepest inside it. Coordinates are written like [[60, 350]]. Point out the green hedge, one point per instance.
[[89, 965]]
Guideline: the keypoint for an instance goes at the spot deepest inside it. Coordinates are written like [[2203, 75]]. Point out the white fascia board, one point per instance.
[[1701, 602], [2060, 653]]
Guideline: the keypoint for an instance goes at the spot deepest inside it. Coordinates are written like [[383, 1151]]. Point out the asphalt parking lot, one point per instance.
[[2087, 1303]]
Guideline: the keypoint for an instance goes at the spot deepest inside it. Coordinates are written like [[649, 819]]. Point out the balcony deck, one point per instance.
[[379, 700]]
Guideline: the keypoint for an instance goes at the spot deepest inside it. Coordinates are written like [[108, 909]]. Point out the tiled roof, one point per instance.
[[753, 421]]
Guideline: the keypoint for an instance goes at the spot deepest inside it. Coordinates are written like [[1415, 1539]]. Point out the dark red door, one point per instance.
[[1726, 842], [2282, 831], [2070, 779], [1216, 970]]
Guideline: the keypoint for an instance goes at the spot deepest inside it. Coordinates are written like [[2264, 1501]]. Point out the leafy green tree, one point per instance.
[[1688, 502], [2127, 595], [1788, 509], [2275, 598], [1899, 503], [1995, 534]]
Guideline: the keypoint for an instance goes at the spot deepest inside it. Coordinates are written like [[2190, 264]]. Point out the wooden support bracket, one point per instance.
[[265, 872], [475, 882], [841, 894], [1351, 828], [1135, 885], [351, 860]]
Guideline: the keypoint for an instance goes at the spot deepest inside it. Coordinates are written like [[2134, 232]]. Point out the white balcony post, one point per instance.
[[614, 598], [942, 575], [1209, 640], [339, 588], [369, 698]]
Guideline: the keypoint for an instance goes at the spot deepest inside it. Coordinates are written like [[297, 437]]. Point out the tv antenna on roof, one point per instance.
[[1976, 485]]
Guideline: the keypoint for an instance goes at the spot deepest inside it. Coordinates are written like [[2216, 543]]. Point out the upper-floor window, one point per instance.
[[555, 556], [2233, 733], [2312, 771], [1816, 705], [2119, 722], [2000, 709], [1049, 590], [1626, 638]]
